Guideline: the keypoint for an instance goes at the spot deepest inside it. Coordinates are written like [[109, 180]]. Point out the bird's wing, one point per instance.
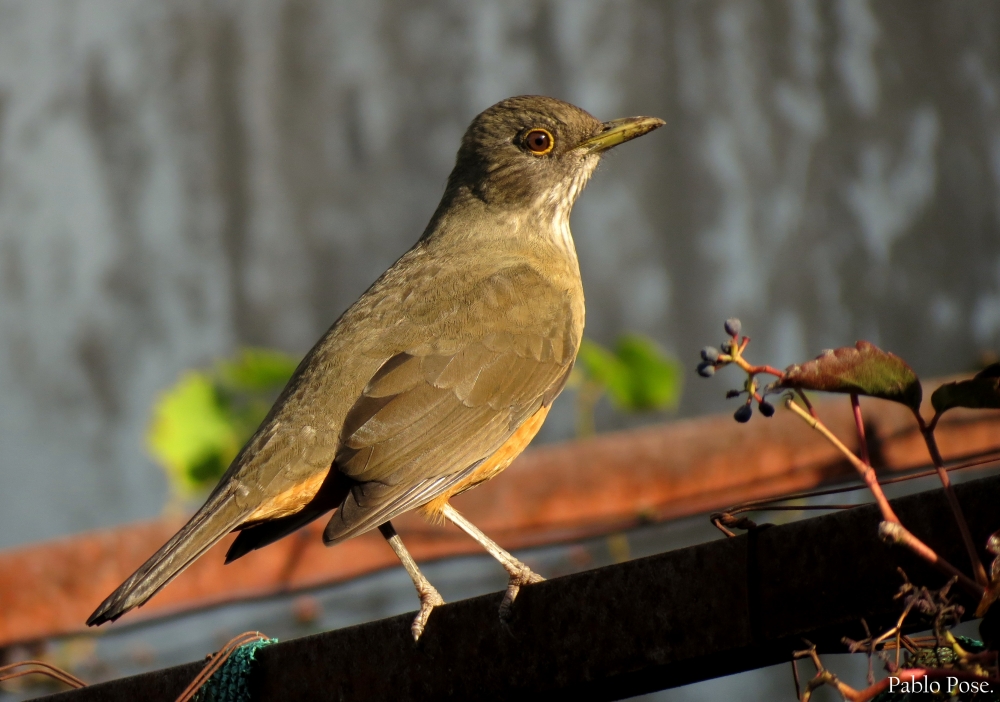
[[430, 414]]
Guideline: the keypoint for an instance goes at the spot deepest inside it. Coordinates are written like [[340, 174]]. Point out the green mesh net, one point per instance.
[[229, 683]]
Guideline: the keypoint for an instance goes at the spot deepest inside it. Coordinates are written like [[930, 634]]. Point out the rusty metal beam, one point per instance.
[[551, 494], [648, 624]]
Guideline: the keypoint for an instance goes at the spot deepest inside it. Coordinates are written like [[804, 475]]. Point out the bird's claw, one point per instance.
[[429, 599], [522, 576]]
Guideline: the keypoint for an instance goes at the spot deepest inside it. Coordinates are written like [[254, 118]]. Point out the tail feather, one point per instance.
[[206, 528], [329, 497], [261, 535]]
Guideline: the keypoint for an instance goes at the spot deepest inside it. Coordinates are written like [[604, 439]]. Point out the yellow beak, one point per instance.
[[618, 131]]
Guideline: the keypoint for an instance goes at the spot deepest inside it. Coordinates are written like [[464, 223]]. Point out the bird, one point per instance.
[[438, 376]]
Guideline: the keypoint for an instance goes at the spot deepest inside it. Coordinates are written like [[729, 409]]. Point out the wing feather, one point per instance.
[[451, 398]]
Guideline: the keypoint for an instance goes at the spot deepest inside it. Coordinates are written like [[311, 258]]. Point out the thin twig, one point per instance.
[[216, 661], [859, 424], [866, 472], [718, 525], [805, 401], [757, 370], [896, 631], [963, 526], [34, 667], [766, 504], [899, 535], [794, 508], [894, 532], [822, 677], [932, 425]]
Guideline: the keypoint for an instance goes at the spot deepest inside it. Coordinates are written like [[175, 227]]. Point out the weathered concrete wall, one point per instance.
[[179, 178]]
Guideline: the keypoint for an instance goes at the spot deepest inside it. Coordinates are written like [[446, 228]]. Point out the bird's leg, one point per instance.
[[429, 596], [519, 573]]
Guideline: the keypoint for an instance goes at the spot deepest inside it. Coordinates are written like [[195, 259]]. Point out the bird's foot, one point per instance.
[[522, 575], [429, 599]]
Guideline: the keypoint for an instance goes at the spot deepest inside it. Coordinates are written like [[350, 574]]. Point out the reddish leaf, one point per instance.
[[980, 392], [864, 369]]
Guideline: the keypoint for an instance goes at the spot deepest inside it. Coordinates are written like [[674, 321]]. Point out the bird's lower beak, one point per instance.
[[618, 131]]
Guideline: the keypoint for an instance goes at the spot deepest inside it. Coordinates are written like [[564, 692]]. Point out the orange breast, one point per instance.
[[492, 466]]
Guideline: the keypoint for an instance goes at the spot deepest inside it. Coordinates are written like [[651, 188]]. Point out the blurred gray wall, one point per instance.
[[180, 178]]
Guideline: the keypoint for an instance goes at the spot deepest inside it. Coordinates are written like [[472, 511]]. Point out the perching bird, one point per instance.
[[438, 376]]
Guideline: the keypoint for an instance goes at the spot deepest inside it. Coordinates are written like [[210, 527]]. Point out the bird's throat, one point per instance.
[[556, 205]]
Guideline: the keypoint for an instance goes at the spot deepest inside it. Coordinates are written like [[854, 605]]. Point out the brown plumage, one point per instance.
[[439, 375]]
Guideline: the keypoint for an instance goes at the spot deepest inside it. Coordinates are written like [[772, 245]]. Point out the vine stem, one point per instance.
[[927, 431], [859, 423], [896, 532], [757, 370], [865, 470]]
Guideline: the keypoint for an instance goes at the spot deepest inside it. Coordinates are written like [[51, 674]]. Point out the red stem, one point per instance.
[[897, 533], [770, 370], [864, 470], [927, 431], [860, 425], [891, 528], [805, 400]]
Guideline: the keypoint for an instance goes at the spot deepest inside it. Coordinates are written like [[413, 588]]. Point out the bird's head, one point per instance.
[[536, 152]]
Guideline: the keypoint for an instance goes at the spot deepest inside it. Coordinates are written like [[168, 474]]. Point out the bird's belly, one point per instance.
[[492, 466]]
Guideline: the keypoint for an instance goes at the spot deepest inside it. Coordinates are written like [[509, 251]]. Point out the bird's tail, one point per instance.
[[329, 497], [208, 526]]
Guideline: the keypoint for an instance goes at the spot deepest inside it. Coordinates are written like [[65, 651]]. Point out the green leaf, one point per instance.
[[190, 430], [979, 392], [653, 379], [257, 369], [601, 366], [863, 369], [201, 422], [637, 376]]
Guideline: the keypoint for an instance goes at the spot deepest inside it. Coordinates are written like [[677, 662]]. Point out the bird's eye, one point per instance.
[[539, 142]]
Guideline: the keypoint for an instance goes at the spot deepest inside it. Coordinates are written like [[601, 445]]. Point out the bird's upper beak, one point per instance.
[[618, 131]]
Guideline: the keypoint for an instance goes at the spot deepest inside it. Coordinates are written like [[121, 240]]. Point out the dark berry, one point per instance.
[[766, 408], [710, 354], [733, 327], [706, 370], [733, 393], [743, 414], [727, 346]]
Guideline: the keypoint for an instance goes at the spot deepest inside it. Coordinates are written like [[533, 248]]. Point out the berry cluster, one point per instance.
[[732, 352]]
